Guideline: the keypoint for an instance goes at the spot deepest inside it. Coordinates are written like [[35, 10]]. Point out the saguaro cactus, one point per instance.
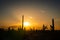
[[22, 21], [52, 26]]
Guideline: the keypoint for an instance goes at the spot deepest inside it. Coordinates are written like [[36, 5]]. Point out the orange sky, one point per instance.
[[37, 13]]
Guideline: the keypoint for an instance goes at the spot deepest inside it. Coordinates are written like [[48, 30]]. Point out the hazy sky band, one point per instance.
[[51, 7]]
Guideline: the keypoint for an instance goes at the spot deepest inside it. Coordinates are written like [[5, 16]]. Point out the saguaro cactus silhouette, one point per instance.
[[52, 26], [44, 27], [22, 21]]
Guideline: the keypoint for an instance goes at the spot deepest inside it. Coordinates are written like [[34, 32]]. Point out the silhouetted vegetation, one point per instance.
[[29, 35], [22, 34]]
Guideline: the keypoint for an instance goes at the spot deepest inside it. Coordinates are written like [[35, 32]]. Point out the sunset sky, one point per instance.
[[36, 12]]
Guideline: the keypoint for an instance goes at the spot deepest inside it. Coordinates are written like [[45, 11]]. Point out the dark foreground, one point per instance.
[[29, 35], [43, 35]]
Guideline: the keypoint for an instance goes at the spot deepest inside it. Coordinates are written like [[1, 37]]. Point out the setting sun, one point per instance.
[[26, 24]]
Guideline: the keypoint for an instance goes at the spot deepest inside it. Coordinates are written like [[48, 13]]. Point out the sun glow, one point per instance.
[[26, 24]]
